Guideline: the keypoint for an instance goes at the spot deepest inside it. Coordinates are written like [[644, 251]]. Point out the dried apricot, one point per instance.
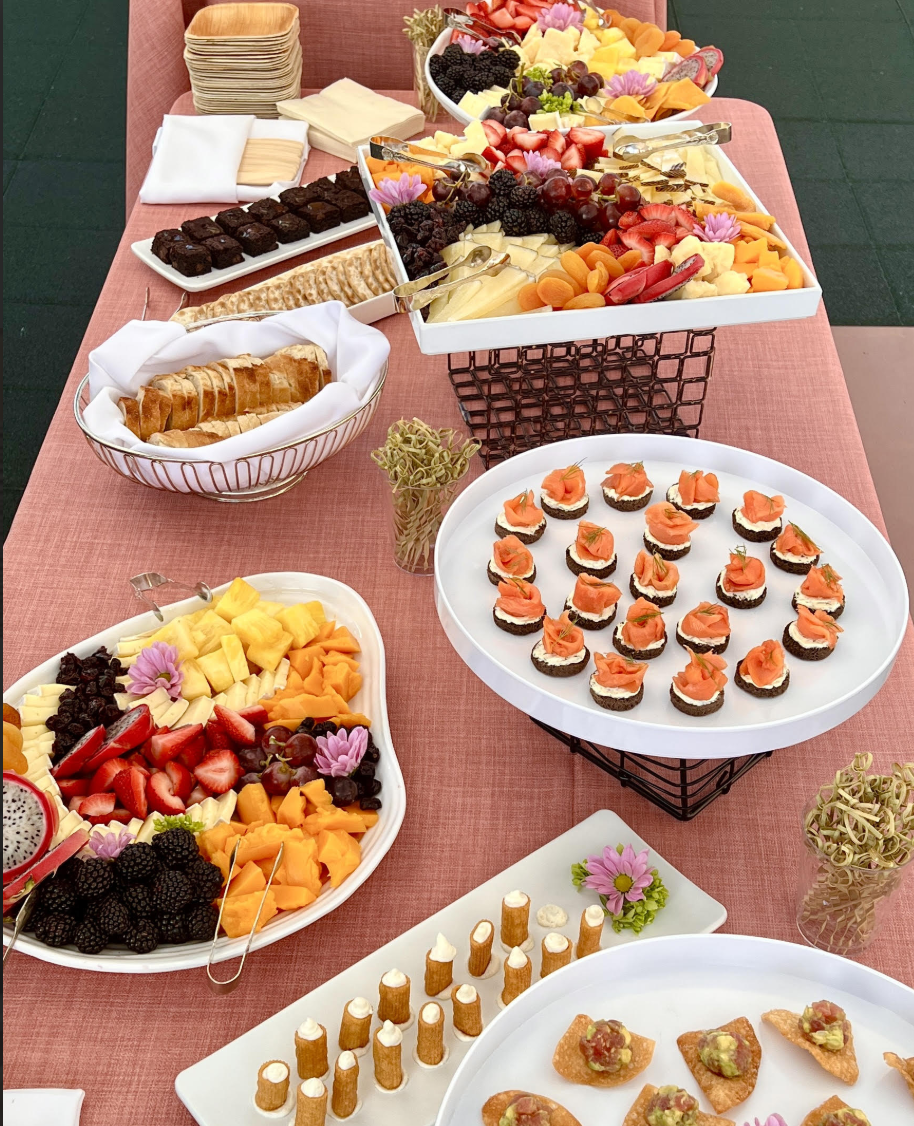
[[613, 269], [649, 39], [597, 279], [630, 259], [586, 301], [560, 275], [751, 231], [631, 26], [615, 18], [732, 194], [670, 40], [528, 298], [586, 250], [553, 291], [685, 47], [574, 264]]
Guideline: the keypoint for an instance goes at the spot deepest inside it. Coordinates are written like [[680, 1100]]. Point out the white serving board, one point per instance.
[[249, 265], [560, 325], [220, 1088], [664, 987], [349, 609], [821, 694], [454, 110]]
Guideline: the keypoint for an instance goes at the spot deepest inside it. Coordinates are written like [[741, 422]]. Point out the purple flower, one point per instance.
[[771, 1120], [392, 192], [633, 83], [619, 877], [540, 164], [109, 845], [341, 754], [469, 45], [561, 17], [720, 227], [156, 667]]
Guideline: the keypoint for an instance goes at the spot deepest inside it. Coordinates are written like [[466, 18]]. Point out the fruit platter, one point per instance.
[[139, 762], [667, 595], [677, 237], [566, 70]]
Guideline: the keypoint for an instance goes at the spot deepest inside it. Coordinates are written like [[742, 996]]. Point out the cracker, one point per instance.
[[815, 1117], [723, 1093], [904, 1066], [495, 1107], [353, 268], [843, 1064], [569, 1062], [637, 1116], [346, 293]]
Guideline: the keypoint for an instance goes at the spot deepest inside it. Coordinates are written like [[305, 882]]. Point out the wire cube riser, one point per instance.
[[516, 399]]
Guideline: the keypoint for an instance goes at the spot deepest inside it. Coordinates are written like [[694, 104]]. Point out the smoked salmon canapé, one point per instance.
[[794, 551], [741, 584], [654, 579], [519, 608], [618, 682], [593, 551], [813, 636], [699, 689], [510, 560], [561, 650], [696, 492], [821, 590], [706, 629], [563, 494], [759, 519], [626, 487], [592, 603], [520, 517], [763, 672], [668, 531], [642, 636]]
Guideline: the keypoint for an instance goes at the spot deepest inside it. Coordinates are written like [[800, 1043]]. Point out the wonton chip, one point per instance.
[[905, 1067], [721, 1092], [842, 1064], [817, 1116], [637, 1116], [495, 1107], [569, 1062]]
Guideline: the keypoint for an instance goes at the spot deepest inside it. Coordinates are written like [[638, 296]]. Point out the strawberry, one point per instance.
[[161, 795], [256, 714], [198, 794], [130, 787], [495, 131], [73, 787], [131, 730], [163, 748], [121, 814], [235, 726], [137, 760], [97, 808], [652, 228], [516, 161], [572, 158], [531, 142], [556, 141], [217, 737], [682, 233], [590, 140], [181, 779], [667, 239], [628, 219], [649, 211], [75, 802], [552, 154], [193, 753], [491, 155], [219, 771], [636, 242], [610, 238], [79, 754], [103, 778], [617, 249]]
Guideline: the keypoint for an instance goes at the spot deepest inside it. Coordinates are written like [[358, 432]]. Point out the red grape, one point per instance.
[[442, 190], [303, 775], [300, 750], [578, 68], [556, 192], [608, 184], [628, 198], [273, 739], [277, 778], [530, 105], [609, 216], [588, 214], [516, 119], [589, 85], [478, 193], [582, 187]]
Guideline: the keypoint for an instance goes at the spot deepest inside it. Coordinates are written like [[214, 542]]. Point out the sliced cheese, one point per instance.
[[280, 676], [32, 717], [236, 695], [267, 683], [171, 715], [199, 711]]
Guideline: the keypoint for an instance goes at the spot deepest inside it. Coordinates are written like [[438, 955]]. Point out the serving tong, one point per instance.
[[391, 148], [411, 296], [477, 28], [144, 584], [634, 150]]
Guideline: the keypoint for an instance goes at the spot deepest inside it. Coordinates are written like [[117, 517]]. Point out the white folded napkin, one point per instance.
[[142, 350], [47, 1106]]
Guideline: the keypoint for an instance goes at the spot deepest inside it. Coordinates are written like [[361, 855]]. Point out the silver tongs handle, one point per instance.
[[634, 149], [477, 28], [144, 585], [412, 296], [390, 148]]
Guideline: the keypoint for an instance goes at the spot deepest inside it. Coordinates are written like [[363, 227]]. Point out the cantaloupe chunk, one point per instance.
[[790, 268], [317, 795], [289, 897], [369, 816], [765, 280], [222, 860], [300, 865], [749, 251], [351, 719], [214, 840], [254, 804], [291, 810], [331, 817], [260, 843], [340, 854], [275, 803], [248, 880], [769, 259], [241, 911]]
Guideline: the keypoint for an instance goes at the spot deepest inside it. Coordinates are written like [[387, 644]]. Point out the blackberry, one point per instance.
[[56, 930], [509, 58], [138, 863], [200, 923], [95, 878], [451, 54], [171, 928], [89, 938], [495, 212], [138, 900], [205, 880], [563, 226], [171, 892], [502, 182], [176, 848], [113, 917], [586, 234], [514, 222], [523, 197], [57, 897], [143, 938], [413, 214]]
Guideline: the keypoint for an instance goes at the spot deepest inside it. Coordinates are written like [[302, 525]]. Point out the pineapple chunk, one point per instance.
[[239, 597], [268, 655], [234, 654], [195, 683], [255, 627], [130, 648], [271, 608], [217, 670], [208, 631], [298, 621], [177, 633]]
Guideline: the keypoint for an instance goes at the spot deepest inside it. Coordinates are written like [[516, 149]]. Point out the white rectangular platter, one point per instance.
[[220, 1088], [585, 324], [249, 265]]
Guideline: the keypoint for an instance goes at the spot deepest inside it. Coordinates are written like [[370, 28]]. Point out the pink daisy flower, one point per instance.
[[619, 877]]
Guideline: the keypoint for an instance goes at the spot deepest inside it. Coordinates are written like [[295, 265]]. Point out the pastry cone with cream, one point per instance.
[[272, 1085], [467, 1010], [311, 1103], [591, 931], [481, 940], [393, 1003], [518, 975], [515, 919], [387, 1048], [556, 950], [430, 1036], [439, 967], [311, 1050], [345, 1099], [355, 1027]]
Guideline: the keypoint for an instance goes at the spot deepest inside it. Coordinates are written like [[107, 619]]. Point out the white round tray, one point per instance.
[[821, 695], [662, 987]]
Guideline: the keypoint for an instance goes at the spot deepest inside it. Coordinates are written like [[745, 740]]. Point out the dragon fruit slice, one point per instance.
[[693, 67], [713, 57], [41, 869], [29, 824]]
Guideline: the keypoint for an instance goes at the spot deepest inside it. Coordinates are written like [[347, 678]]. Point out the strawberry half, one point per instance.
[[516, 161], [494, 131], [636, 242], [198, 794], [590, 140], [130, 787], [79, 754], [256, 714], [628, 220], [653, 227], [97, 808], [193, 752], [238, 729], [556, 141], [182, 780], [103, 778], [73, 787], [532, 142], [217, 738], [219, 771], [164, 747], [160, 793], [136, 759], [572, 158]]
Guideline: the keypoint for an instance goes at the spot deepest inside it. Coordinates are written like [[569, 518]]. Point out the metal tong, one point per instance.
[[636, 149], [390, 148], [586, 6], [144, 584], [22, 917], [412, 296], [477, 28]]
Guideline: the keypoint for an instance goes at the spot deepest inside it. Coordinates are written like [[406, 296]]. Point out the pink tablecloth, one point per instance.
[[485, 786]]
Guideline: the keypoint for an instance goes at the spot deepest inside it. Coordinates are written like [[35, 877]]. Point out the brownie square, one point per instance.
[[294, 198], [224, 251], [163, 241], [199, 229], [350, 205], [310, 193], [350, 180], [265, 209], [190, 259], [256, 239], [289, 227], [231, 219], [323, 185], [320, 216]]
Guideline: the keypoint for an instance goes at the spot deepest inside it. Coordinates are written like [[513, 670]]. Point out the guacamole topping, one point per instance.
[[671, 1106], [725, 1053], [526, 1110], [606, 1046], [846, 1116], [825, 1024]]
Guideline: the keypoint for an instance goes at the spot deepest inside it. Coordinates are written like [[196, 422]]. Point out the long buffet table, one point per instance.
[[484, 785]]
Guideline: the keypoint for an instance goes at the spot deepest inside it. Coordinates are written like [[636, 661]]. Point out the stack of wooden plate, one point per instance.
[[244, 58]]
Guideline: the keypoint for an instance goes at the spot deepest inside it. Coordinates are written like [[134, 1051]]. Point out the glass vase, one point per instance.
[[416, 516], [426, 100]]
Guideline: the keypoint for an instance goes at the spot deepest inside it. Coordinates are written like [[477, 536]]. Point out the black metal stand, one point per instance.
[[680, 787]]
